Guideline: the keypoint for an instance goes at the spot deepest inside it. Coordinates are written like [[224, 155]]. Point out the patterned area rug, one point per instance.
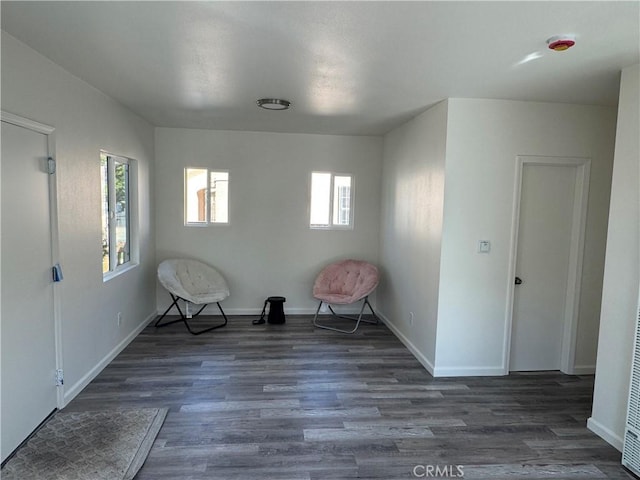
[[105, 445]]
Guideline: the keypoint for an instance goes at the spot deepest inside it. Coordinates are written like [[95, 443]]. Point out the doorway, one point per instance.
[[29, 335], [549, 224]]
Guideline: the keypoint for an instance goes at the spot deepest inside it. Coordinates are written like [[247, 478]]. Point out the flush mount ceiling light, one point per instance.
[[273, 104], [560, 43]]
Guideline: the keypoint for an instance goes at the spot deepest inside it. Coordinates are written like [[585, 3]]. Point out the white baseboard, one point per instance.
[[605, 433], [426, 363], [213, 310], [72, 392], [584, 370], [469, 372], [440, 371]]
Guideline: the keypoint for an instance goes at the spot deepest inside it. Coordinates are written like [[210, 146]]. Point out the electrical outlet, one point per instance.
[[411, 318], [119, 318]]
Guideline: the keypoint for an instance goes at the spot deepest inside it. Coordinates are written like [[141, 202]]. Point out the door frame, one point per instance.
[[576, 254], [49, 131]]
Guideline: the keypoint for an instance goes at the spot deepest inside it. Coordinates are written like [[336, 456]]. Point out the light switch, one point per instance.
[[484, 246]]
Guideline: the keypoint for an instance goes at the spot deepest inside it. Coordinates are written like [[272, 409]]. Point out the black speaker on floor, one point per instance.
[[276, 311]]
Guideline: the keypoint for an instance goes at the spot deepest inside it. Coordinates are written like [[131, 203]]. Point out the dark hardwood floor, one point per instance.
[[282, 402]]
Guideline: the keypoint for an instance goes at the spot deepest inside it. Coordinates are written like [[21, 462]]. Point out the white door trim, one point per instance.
[[26, 123], [49, 131], [576, 254]]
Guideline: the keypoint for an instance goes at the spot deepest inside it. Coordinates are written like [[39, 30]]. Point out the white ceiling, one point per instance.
[[347, 67]]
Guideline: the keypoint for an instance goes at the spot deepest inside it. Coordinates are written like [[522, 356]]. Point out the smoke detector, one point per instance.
[[560, 43]]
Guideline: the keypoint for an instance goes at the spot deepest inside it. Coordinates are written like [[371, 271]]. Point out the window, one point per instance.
[[206, 197], [331, 203], [117, 196]]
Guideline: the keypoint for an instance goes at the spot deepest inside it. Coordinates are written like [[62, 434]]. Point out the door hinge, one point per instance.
[[51, 166], [59, 377]]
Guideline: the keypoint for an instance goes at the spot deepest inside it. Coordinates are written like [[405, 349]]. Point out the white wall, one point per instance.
[[622, 271], [483, 139], [268, 247], [86, 121], [429, 250], [411, 229]]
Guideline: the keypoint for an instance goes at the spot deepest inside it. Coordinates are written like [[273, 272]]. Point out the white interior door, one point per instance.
[[547, 203], [28, 332]]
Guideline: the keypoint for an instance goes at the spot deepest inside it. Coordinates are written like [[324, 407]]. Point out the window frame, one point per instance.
[[207, 202], [332, 202], [131, 251]]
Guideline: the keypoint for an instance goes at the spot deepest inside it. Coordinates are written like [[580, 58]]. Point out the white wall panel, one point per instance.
[[86, 121], [411, 230], [267, 248], [622, 271], [464, 151], [483, 139]]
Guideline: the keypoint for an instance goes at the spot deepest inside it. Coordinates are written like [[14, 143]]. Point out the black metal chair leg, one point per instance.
[[175, 302], [208, 329], [183, 317]]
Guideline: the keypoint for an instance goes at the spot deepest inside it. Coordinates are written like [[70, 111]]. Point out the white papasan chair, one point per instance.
[[193, 282]]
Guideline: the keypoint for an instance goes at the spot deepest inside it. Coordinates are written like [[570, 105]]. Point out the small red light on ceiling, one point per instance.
[[560, 43]]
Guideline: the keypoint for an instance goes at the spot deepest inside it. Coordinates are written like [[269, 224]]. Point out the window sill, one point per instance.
[[119, 271], [204, 225], [332, 228]]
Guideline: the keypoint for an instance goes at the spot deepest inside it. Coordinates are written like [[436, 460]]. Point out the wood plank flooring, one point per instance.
[[285, 402]]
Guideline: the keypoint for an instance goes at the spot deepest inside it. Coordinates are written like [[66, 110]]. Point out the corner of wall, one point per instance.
[[424, 361], [621, 272], [411, 229]]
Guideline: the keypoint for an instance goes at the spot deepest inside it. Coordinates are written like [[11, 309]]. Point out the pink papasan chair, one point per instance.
[[343, 283]]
